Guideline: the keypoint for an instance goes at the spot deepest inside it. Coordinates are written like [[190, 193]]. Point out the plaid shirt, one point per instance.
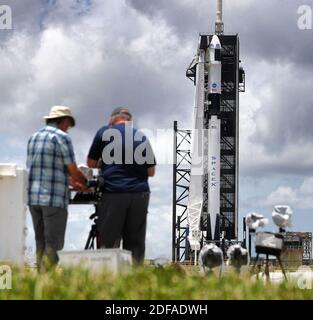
[[49, 151]]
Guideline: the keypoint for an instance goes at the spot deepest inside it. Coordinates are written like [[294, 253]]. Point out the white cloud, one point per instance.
[[273, 131], [283, 195], [298, 197], [307, 187], [159, 47], [159, 232]]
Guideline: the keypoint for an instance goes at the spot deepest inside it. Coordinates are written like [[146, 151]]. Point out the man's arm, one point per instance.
[[151, 171], [95, 151], [76, 174], [92, 163], [148, 152]]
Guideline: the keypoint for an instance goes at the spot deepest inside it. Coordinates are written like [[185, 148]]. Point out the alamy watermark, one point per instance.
[[5, 277], [305, 278], [305, 20], [5, 17], [138, 147]]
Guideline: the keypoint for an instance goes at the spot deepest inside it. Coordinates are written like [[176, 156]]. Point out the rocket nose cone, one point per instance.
[[215, 43]]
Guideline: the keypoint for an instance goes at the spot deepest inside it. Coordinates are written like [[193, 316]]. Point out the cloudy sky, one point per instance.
[[95, 55]]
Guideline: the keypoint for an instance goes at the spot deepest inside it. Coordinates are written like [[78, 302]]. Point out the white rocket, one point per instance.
[[206, 144], [206, 141], [214, 134]]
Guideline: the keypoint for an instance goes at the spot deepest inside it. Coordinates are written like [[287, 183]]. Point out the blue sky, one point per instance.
[[97, 55]]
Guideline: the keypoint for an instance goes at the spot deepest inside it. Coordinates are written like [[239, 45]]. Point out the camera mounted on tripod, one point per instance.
[[269, 243], [93, 196], [96, 182]]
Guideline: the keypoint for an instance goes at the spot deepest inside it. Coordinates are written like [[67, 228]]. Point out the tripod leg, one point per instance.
[[98, 242], [267, 271], [92, 241], [254, 265], [282, 268], [89, 243], [255, 262]]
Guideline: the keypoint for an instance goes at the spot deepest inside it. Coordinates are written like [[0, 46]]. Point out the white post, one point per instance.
[[12, 213]]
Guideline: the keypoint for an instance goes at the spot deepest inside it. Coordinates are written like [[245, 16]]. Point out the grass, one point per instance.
[[167, 283]]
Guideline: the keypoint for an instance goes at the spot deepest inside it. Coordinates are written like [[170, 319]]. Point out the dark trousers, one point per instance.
[[49, 225], [123, 216]]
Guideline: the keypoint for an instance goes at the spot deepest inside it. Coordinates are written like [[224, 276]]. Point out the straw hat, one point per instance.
[[60, 112]]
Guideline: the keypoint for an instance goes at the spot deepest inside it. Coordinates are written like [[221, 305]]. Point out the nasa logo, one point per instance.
[[214, 87]]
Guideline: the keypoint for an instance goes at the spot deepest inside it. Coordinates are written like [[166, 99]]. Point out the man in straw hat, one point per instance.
[[50, 160], [122, 212]]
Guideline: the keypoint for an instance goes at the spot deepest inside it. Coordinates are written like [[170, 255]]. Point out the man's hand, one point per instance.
[[151, 171], [93, 163], [76, 175], [77, 186]]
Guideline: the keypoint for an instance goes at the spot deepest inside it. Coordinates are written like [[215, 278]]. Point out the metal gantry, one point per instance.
[[300, 240], [181, 180], [232, 83]]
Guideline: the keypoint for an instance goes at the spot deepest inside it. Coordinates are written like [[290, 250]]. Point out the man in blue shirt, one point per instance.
[[126, 160], [50, 160]]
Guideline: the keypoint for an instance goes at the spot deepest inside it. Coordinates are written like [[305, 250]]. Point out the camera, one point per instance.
[[93, 196], [238, 256], [269, 243], [96, 183], [210, 257]]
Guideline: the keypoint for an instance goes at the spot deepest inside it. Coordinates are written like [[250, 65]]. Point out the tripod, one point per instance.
[[93, 240], [269, 243], [267, 270]]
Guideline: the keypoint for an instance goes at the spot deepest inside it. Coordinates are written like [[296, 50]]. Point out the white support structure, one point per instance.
[[12, 213]]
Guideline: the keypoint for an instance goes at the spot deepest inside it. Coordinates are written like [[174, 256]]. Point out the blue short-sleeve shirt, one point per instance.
[[49, 152], [129, 173]]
